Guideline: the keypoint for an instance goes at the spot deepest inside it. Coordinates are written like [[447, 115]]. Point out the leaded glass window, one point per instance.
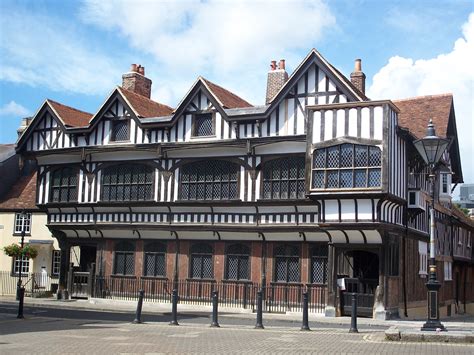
[[238, 262], [347, 166], [124, 258], [319, 264], [209, 180], [203, 125], [120, 130], [127, 182], [64, 184], [201, 261], [287, 263], [284, 178], [155, 257]]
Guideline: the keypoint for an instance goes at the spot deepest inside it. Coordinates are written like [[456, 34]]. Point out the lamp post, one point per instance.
[[431, 148], [20, 288]]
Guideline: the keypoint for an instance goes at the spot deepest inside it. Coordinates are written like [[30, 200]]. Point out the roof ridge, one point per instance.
[[70, 107], [226, 90], [424, 97], [144, 97]]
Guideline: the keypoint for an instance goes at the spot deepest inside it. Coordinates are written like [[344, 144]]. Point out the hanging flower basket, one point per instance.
[[15, 251]]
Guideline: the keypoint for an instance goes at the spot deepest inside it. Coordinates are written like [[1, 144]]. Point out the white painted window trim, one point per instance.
[[448, 271], [19, 223]]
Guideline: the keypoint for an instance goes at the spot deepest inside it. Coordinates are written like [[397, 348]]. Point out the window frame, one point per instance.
[[18, 223], [240, 256], [113, 122], [56, 262], [353, 168], [64, 186], [194, 127], [134, 173], [448, 271], [125, 253], [277, 162], [196, 164], [324, 258], [287, 258], [149, 253], [193, 254], [16, 266]]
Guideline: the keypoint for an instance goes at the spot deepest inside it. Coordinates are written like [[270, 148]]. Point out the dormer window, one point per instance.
[[120, 130], [203, 125]]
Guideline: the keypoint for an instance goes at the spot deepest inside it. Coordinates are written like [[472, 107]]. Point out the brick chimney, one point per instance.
[[136, 81], [358, 76], [277, 77]]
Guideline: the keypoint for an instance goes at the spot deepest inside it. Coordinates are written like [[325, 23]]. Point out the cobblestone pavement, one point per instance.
[[46, 335]]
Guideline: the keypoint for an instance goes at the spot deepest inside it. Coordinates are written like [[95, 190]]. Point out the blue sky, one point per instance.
[[75, 51]]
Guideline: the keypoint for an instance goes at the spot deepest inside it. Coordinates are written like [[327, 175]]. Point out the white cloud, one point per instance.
[[449, 72], [13, 109], [221, 39], [43, 51]]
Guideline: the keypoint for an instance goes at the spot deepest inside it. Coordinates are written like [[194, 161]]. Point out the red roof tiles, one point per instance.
[[143, 106], [416, 112], [226, 98], [70, 116], [22, 195]]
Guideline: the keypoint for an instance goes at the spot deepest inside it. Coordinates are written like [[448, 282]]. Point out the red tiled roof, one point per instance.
[[227, 98], [70, 116], [22, 195], [145, 107], [416, 112]]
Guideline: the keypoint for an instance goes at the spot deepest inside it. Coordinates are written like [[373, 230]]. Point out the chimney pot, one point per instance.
[[276, 79], [281, 65], [358, 76], [136, 81], [358, 65]]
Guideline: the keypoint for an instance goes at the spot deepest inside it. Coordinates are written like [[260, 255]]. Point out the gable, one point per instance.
[[45, 132]]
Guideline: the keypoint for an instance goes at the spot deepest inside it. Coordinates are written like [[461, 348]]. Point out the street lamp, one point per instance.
[[431, 148], [21, 289]]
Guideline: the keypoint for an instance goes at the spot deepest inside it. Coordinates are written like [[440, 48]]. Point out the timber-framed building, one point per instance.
[[320, 187]]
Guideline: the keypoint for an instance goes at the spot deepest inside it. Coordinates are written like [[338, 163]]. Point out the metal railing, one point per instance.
[[36, 284], [237, 294]]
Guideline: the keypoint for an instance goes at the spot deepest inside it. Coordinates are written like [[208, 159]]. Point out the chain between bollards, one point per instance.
[[259, 324], [21, 295], [305, 325], [174, 308], [354, 314], [215, 302], [138, 314]]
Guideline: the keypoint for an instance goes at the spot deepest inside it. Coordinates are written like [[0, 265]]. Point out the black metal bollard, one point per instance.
[[174, 308], [138, 314], [305, 325], [21, 296], [354, 314], [259, 324], [215, 301]]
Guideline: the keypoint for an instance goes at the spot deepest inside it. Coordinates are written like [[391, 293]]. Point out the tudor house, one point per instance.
[[319, 186]]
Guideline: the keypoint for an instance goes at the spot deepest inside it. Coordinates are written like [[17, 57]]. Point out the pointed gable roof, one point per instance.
[[226, 98], [70, 116], [143, 106], [303, 66], [415, 112]]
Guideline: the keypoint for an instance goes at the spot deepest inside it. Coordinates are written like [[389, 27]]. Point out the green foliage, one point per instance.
[[14, 250], [462, 209]]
